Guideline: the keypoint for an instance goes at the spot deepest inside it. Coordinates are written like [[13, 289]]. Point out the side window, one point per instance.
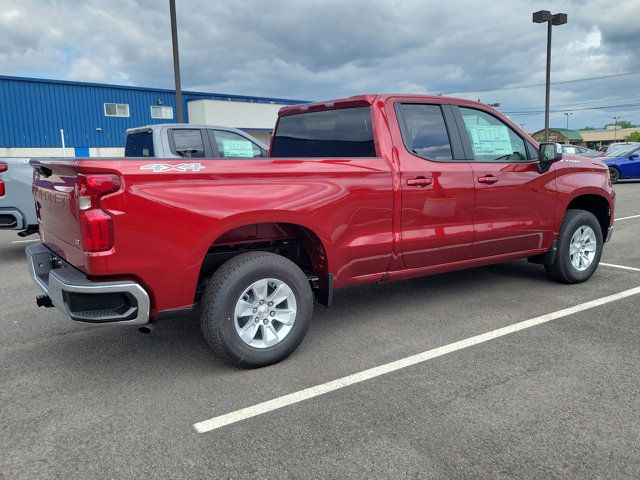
[[424, 132], [492, 140], [187, 142], [232, 145]]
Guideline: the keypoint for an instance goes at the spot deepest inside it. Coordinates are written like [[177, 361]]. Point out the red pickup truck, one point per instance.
[[372, 188]]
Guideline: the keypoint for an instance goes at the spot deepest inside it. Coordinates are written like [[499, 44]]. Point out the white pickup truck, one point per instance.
[[167, 140]]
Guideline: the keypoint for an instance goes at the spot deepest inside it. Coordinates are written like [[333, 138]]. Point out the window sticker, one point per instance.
[[237, 148], [490, 139]]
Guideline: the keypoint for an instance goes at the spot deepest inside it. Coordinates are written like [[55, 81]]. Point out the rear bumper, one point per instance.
[[11, 219], [82, 299]]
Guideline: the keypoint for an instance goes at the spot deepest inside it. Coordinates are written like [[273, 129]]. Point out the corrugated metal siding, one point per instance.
[[32, 111]]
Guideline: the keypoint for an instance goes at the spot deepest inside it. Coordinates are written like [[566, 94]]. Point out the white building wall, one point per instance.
[[242, 115], [59, 152]]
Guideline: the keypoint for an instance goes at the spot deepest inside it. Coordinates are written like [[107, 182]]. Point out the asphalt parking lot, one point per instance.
[[557, 400]]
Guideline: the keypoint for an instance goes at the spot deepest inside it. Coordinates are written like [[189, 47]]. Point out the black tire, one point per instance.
[[217, 317], [562, 269], [614, 174]]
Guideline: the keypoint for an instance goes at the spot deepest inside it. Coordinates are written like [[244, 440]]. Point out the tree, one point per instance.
[[587, 128], [622, 124], [634, 137]]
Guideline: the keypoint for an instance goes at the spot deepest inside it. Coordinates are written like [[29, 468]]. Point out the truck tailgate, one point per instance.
[[54, 183]]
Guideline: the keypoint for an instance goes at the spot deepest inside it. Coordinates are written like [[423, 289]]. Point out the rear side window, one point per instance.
[[330, 133], [187, 142], [424, 132], [139, 144], [232, 145]]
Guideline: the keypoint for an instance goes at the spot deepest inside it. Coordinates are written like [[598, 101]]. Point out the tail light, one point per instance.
[[96, 225], [3, 168]]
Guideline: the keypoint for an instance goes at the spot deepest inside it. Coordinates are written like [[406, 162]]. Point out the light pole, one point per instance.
[[615, 128], [176, 59], [568, 114], [551, 19]]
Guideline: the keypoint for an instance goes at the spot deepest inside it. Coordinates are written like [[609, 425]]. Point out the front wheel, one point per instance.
[[614, 174], [256, 309], [579, 248]]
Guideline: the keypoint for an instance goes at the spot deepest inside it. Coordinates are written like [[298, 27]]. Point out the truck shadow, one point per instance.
[[176, 346], [13, 252]]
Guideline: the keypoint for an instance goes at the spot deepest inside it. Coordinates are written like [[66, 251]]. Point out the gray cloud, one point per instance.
[[323, 49]]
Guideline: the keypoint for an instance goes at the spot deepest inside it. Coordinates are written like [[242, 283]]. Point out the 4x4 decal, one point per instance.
[[181, 167]]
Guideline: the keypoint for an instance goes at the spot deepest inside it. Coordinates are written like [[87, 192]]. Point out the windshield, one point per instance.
[[622, 151]]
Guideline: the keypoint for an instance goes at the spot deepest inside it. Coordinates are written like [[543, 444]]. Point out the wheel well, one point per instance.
[[598, 206], [295, 242]]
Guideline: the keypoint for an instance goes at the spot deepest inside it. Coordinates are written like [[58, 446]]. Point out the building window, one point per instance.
[[158, 111], [116, 109]]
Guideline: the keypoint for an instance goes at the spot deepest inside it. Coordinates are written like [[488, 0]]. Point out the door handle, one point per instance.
[[488, 179], [419, 182]]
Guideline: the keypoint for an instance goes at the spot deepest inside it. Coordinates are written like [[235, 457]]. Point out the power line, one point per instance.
[[599, 107], [579, 103], [561, 82]]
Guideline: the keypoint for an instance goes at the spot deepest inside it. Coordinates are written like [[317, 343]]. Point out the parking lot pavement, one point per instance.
[[556, 400]]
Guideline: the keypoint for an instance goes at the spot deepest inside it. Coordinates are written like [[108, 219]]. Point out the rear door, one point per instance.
[[436, 183], [514, 203]]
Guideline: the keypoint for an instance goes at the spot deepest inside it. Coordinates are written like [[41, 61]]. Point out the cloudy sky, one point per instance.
[[304, 49]]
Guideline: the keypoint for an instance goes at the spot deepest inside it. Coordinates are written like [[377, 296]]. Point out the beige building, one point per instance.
[[599, 138]]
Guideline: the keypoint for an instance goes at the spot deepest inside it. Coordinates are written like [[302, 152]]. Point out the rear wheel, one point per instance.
[[614, 174], [579, 248], [256, 309]]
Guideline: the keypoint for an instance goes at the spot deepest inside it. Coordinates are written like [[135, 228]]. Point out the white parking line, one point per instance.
[[307, 393], [26, 241], [622, 267], [626, 218]]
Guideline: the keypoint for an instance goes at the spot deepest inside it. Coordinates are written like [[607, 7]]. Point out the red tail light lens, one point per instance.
[[97, 230], [96, 225], [3, 168]]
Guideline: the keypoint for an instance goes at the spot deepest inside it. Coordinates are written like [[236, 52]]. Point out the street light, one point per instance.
[[522, 125], [615, 128], [555, 19], [568, 114]]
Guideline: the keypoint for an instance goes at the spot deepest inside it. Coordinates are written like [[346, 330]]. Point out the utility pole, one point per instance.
[[556, 19], [176, 59]]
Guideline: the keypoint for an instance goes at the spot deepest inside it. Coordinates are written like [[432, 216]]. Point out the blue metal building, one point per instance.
[[33, 111]]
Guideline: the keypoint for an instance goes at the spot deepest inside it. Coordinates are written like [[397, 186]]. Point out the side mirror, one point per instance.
[[548, 154], [633, 155]]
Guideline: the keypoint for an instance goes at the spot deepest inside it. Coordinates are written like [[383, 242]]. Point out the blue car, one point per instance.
[[624, 163]]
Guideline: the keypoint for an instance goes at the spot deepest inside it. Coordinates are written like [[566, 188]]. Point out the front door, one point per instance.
[[436, 186], [514, 203]]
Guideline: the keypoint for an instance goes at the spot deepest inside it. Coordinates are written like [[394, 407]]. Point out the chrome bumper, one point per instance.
[[82, 299]]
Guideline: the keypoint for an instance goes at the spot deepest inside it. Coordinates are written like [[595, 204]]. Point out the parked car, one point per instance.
[[624, 164], [613, 147], [582, 151], [181, 140], [373, 188], [17, 208]]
